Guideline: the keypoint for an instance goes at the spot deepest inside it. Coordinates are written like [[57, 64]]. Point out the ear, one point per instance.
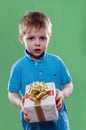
[[21, 39]]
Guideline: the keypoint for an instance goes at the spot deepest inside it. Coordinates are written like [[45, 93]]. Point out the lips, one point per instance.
[[37, 50]]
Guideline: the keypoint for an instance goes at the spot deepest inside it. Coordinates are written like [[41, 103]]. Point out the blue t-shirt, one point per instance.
[[50, 68]]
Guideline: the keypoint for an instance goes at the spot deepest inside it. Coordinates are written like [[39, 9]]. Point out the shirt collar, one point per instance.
[[31, 59]]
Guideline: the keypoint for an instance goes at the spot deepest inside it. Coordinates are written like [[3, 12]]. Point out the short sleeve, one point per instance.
[[14, 80], [64, 73]]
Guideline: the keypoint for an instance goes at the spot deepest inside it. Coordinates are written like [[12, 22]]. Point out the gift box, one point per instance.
[[40, 102]]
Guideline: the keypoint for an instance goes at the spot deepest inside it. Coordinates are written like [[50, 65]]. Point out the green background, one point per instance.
[[68, 41]]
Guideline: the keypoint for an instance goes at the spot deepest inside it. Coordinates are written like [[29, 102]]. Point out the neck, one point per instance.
[[35, 57]]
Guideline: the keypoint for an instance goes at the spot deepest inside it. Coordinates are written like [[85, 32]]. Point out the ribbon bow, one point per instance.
[[37, 91]]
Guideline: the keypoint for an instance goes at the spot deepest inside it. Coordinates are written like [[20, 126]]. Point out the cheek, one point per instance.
[[45, 46], [29, 47]]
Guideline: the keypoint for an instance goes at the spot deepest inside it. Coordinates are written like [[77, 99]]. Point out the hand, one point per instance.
[[26, 117], [59, 99]]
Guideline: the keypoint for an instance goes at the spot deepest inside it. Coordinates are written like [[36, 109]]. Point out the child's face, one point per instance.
[[36, 42]]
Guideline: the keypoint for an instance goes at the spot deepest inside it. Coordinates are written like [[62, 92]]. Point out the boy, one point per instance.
[[38, 65]]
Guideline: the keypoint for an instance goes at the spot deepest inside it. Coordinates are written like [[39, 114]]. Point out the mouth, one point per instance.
[[37, 50]]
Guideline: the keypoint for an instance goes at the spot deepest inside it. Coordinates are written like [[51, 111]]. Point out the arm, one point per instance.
[[17, 101], [62, 95]]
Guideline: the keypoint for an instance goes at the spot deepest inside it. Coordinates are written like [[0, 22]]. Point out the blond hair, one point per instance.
[[34, 19]]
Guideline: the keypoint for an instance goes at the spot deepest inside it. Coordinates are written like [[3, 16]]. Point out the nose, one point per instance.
[[37, 42]]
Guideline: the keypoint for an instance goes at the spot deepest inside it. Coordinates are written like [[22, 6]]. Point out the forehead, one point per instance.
[[37, 31]]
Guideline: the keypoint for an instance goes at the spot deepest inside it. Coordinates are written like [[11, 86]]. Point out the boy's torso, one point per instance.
[[44, 70]]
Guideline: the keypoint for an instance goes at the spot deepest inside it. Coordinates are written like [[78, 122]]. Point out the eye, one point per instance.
[[43, 38], [30, 38]]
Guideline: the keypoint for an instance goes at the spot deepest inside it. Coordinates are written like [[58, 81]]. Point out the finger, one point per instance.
[[57, 99], [26, 117], [59, 104], [57, 91], [59, 108]]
